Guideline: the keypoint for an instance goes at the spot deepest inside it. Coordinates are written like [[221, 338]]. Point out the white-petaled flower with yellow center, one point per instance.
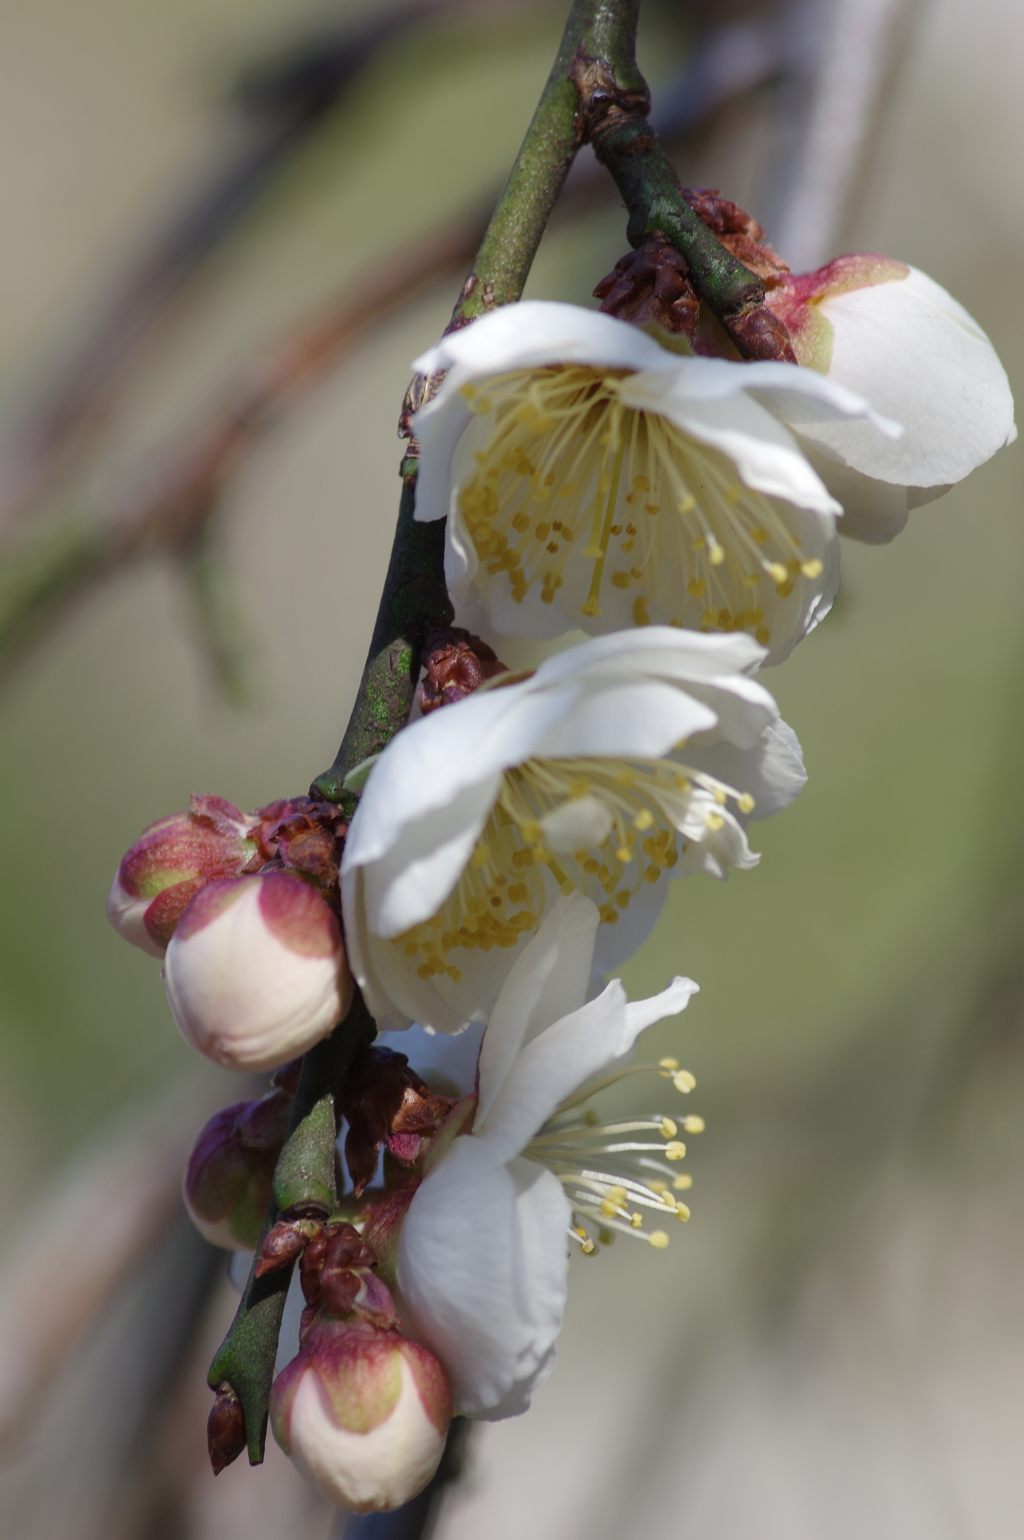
[[592, 478], [895, 335], [523, 1170], [618, 762]]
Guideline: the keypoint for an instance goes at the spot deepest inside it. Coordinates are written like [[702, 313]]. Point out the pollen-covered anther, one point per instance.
[[600, 827]]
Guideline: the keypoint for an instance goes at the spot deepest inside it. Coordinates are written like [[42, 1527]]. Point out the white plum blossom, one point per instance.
[[617, 762], [592, 478], [892, 334], [255, 972], [482, 1255]]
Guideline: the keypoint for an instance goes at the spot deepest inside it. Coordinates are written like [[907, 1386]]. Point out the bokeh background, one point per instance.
[[835, 1343]]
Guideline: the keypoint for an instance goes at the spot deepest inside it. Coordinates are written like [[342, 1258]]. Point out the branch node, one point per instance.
[[604, 104]]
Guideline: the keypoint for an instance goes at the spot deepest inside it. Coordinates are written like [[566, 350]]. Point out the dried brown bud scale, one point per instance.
[[651, 284], [386, 1102], [738, 231], [283, 1243], [455, 663], [225, 1429]]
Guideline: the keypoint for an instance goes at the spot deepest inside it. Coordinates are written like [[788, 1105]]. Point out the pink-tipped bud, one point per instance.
[[230, 1173], [363, 1413], [171, 861], [256, 970]]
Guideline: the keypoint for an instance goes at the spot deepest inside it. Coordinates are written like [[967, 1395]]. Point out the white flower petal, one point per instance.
[[873, 511], [743, 712], [660, 651], [566, 1055], [445, 749], [641, 1014], [396, 996], [617, 943], [764, 453], [548, 981], [533, 333], [482, 1273], [560, 1059], [773, 773], [643, 718], [916, 354]]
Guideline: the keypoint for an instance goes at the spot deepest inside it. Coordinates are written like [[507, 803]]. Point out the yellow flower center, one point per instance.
[[569, 469], [598, 826]]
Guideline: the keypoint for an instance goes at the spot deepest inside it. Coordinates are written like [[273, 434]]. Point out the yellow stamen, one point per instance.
[[560, 436]]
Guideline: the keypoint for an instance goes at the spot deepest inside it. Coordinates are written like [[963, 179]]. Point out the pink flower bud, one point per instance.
[[228, 1179], [171, 861], [363, 1414], [256, 970]]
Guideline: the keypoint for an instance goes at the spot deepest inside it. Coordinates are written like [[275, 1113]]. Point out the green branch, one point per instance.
[[415, 597], [612, 111], [304, 1187], [599, 28]]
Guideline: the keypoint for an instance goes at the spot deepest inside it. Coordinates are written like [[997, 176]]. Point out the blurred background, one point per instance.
[[229, 225]]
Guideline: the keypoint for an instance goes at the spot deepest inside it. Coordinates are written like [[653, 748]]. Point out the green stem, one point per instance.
[[599, 28], [612, 106], [650, 189], [304, 1186], [415, 598]]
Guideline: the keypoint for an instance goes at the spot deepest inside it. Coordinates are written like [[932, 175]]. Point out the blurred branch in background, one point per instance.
[[275, 109], [171, 509], [845, 58], [114, 1207]]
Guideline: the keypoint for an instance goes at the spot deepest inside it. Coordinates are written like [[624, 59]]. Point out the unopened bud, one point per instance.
[[256, 970], [171, 861], [225, 1429], [230, 1173], [363, 1414]]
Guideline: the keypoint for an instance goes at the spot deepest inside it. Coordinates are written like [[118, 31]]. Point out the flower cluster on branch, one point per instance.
[[670, 475]]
